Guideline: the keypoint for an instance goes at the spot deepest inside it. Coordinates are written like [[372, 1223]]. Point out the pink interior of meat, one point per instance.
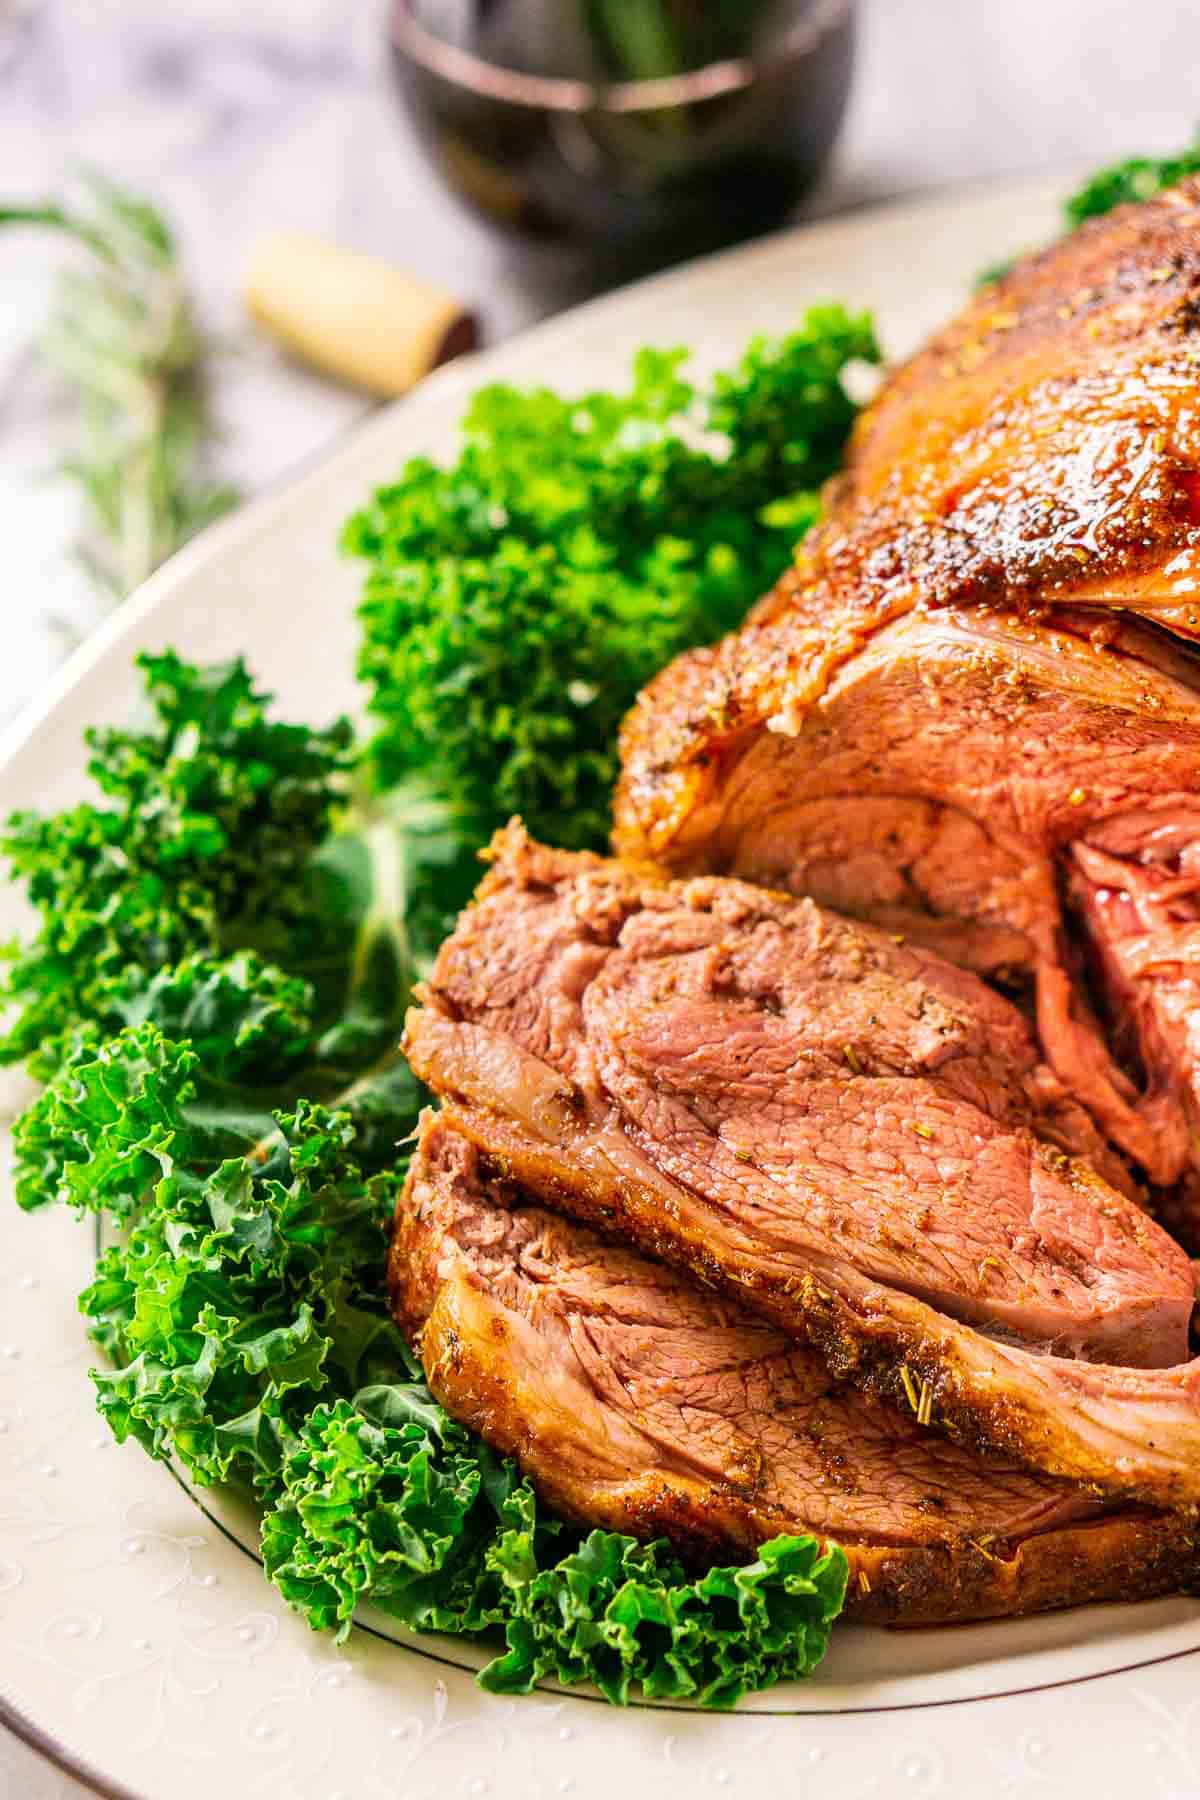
[[827, 1111], [841, 1100], [1135, 886], [670, 1377]]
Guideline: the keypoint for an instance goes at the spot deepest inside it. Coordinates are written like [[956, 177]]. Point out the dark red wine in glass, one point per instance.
[[636, 131]]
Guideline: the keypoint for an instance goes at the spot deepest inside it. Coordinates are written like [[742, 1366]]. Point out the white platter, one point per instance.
[[139, 1643]]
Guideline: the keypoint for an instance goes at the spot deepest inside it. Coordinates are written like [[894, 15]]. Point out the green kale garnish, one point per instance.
[[389, 1500], [211, 815], [229, 939], [1137, 178], [236, 1298], [624, 1615], [108, 1126], [516, 601], [234, 893]]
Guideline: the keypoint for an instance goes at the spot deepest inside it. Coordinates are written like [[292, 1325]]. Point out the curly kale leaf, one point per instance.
[[107, 1129], [1137, 178], [784, 411], [215, 1050], [183, 1075], [231, 897], [213, 814], [235, 1300], [388, 1499], [626, 1616], [246, 1022], [516, 601], [518, 667]]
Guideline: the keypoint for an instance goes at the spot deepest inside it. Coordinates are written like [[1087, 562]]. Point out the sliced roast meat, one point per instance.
[[640, 1403], [794, 1050], [957, 779], [841, 1129], [900, 729]]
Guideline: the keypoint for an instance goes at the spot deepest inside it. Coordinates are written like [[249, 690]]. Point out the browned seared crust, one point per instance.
[[1042, 450], [1043, 446], [480, 1318]]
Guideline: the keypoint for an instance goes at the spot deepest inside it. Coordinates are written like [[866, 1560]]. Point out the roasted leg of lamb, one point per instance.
[[939, 721], [887, 1026]]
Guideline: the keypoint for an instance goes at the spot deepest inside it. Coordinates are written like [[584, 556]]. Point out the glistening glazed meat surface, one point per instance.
[[1044, 447], [838, 1128], [1045, 444], [1042, 451], [640, 1403]]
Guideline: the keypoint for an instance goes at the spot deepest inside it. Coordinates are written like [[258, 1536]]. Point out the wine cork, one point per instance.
[[356, 317]]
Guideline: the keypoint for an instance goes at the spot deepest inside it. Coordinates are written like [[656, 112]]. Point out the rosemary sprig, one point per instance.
[[124, 333]]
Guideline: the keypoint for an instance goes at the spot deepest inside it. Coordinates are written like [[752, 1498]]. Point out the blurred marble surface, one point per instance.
[[279, 114], [238, 118]]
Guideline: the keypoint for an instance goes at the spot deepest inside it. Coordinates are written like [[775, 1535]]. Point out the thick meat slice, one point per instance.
[[949, 783], [640, 1403], [836, 1126]]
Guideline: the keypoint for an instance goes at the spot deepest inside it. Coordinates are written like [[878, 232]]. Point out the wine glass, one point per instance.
[[635, 130]]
